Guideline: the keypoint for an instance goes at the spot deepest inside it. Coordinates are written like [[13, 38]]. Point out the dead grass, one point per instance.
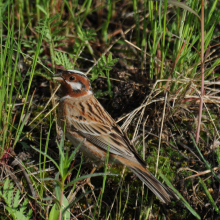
[[158, 113]]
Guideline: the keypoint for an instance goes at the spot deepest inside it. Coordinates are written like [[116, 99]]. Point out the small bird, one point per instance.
[[88, 122]]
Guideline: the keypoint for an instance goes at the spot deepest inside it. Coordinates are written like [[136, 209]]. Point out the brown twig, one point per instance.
[[18, 162], [188, 148]]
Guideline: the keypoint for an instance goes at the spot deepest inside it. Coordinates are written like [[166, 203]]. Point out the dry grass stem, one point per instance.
[[161, 130]]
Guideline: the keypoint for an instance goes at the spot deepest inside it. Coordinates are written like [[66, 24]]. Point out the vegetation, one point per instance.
[[154, 65]]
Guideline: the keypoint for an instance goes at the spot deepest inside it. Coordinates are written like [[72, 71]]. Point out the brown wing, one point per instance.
[[96, 125]]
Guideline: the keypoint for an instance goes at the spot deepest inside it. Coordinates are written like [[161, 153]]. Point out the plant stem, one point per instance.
[[202, 71], [61, 203]]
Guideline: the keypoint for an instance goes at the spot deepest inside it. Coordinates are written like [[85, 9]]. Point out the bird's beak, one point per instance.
[[58, 77]]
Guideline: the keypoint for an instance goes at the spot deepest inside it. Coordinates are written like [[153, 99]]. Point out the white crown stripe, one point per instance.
[[76, 71]]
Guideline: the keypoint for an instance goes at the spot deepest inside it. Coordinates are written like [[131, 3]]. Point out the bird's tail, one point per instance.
[[164, 193]]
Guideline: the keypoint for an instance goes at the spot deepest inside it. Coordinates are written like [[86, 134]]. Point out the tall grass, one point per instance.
[[160, 40]]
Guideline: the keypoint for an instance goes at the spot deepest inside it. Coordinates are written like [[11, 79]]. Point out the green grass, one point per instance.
[[162, 41]]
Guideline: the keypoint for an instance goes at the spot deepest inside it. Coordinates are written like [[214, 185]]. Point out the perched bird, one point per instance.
[[87, 121]]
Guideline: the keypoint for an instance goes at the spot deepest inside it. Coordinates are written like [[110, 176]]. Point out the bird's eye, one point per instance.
[[71, 78]]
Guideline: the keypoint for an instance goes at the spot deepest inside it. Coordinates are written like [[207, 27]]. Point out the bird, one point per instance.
[[88, 123]]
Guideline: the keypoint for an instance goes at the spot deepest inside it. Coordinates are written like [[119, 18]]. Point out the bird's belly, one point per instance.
[[88, 149]]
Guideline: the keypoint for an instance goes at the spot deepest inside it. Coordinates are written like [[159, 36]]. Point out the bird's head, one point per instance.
[[73, 83]]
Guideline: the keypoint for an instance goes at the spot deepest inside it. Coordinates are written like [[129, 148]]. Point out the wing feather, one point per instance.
[[102, 136], [91, 121], [96, 125]]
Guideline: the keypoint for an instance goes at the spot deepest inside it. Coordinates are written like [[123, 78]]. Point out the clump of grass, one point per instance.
[[160, 40]]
